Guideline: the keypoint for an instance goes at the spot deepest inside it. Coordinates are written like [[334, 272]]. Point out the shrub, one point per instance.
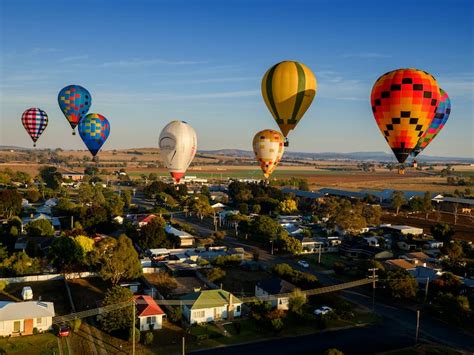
[[35, 331], [137, 335], [76, 324], [277, 324], [148, 338]]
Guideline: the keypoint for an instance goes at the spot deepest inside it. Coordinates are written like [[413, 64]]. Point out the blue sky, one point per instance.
[[148, 62]]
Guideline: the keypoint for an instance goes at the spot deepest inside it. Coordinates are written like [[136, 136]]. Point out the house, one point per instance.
[[309, 245], [20, 318], [398, 264], [52, 202], [353, 195], [275, 286], [149, 314], [403, 230], [450, 204], [210, 305], [424, 274], [362, 250], [432, 244], [143, 221], [185, 239], [403, 245], [73, 176]]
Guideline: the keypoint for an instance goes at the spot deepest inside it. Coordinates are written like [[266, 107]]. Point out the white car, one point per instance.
[[303, 263], [322, 311]]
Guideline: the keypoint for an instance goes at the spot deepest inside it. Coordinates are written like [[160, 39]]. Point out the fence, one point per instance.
[[48, 277]]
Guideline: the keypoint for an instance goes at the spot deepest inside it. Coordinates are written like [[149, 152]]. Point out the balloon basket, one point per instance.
[[287, 143], [34, 145], [401, 170], [415, 164], [73, 133]]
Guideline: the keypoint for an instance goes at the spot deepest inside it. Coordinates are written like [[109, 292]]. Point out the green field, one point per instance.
[[31, 344]]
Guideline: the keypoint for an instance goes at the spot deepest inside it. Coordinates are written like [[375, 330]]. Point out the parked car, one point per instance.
[[303, 263], [64, 331], [322, 310]]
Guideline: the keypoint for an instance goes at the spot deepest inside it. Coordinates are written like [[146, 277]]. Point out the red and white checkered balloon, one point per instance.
[[35, 121]]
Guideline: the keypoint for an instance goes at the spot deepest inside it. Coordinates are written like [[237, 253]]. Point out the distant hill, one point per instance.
[[357, 156], [354, 156]]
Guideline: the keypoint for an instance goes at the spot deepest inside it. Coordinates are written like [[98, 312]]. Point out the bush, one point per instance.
[[301, 279], [214, 274], [148, 338], [76, 324], [137, 335], [35, 331], [277, 324], [333, 351]]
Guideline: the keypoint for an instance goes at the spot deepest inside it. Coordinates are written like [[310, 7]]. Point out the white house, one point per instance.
[[22, 317], [210, 305], [150, 315], [275, 286], [185, 239]]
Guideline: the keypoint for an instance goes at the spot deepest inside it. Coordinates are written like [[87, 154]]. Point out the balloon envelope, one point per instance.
[[268, 148], [404, 102], [288, 88], [94, 130], [75, 102], [439, 120], [35, 121], [178, 145]]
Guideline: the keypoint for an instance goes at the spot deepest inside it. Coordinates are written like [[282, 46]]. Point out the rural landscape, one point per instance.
[[285, 177]]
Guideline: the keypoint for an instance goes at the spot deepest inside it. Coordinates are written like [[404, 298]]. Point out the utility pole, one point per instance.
[[72, 222], [184, 346], [374, 279], [271, 241], [417, 325], [319, 256], [426, 288], [133, 327]]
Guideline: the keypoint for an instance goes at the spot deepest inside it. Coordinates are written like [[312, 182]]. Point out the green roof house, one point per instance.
[[210, 305]]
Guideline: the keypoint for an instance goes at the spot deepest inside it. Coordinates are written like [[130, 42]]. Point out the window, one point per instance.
[[237, 309], [151, 320], [39, 321], [199, 314]]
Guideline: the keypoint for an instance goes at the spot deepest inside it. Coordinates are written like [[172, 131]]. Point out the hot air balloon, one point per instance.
[[75, 102], [268, 146], [404, 102], [439, 120], [35, 121], [178, 145], [94, 130], [288, 89]]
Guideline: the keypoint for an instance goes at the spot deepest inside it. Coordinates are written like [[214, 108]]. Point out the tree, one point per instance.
[[10, 203], [120, 262], [287, 206], [20, 264], [3, 253], [446, 283], [372, 214], [398, 200], [153, 235], [442, 232], [454, 251], [256, 208], [401, 284], [290, 244], [51, 177], [453, 308], [127, 198], [120, 318], [427, 206], [85, 243], [201, 207], [263, 227], [39, 228], [334, 351], [32, 195], [214, 274], [91, 170], [297, 302], [65, 254], [93, 217]]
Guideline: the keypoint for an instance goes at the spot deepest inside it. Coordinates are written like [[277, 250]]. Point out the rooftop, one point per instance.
[[22, 310], [146, 306], [209, 299], [275, 285]]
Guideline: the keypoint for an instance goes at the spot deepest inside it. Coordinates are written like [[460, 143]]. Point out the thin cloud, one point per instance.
[[147, 62], [38, 50], [366, 55], [74, 58], [206, 81]]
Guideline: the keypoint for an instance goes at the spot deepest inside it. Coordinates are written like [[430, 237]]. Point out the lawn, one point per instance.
[[327, 260], [48, 291], [88, 293], [33, 344]]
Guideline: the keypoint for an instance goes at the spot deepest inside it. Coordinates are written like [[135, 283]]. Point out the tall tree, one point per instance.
[[442, 232], [153, 235], [121, 318], [10, 203], [65, 254], [19, 264], [427, 204], [51, 177], [39, 228], [398, 200], [401, 284], [120, 262]]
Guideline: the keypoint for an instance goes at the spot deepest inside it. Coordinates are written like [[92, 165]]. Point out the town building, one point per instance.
[[20, 318]]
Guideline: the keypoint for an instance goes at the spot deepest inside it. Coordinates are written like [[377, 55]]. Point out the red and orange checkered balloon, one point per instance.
[[404, 103]]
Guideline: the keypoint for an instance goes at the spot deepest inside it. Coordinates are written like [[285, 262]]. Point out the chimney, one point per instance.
[[230, 308]]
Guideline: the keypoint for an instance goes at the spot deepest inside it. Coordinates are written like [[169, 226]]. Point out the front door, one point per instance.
[[28, 326], [16, 326]]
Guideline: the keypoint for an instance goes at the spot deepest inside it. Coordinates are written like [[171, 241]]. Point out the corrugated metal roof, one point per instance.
[[25, 310]]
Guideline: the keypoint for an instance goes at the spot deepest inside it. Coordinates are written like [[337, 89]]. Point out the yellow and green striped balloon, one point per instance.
[[288, 89]]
